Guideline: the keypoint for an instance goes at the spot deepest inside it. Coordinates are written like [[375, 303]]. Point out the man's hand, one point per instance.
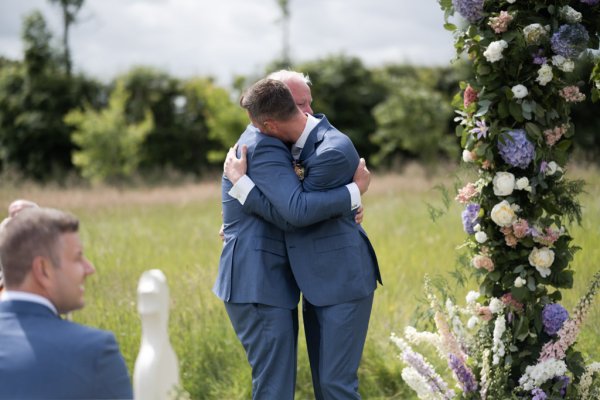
[[360, 214], [234, 168], [362, 176]]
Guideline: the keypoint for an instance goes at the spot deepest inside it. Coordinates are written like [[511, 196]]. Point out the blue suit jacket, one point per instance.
[[45, 357], [254, 266], [333, 261]]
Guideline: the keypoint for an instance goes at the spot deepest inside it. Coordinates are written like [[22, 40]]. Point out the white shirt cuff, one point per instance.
[[354, 195], [242, 188]]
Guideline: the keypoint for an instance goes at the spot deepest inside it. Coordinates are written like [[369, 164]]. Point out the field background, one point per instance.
[[175, 229]]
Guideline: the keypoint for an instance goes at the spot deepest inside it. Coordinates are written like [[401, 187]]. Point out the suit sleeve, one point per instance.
[[279, 196], [112, 378]]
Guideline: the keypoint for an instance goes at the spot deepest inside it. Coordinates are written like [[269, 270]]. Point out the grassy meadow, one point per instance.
[[175, 229]]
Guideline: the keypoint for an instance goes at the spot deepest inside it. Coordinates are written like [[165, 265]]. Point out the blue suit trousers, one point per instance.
[[270, 337], [335, 337]]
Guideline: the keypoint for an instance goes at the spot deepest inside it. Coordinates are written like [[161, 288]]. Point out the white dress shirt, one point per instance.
[[11, 295], [244, 185]]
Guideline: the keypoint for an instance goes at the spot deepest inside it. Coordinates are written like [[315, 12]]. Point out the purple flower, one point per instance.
[[543, 166], [570, 40], [538, 58], [471, 10], [470, 217], [590, 2], [564, 380], [553, 317], [480, 129], [515, 149], [538, 394], [463, 373]]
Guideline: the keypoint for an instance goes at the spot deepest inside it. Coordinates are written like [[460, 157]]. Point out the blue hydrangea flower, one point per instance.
[[471, 10], [553, 317], [570, 40], [538, 394], [516, 150], [590, 2], [470, 217]]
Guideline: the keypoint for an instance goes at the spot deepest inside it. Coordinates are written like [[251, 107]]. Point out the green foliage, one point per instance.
[[109, 145], [412, 121], [225, 120], [346, 92]]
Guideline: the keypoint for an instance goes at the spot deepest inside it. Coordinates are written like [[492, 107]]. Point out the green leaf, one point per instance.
[[515, 111], [450, 27]]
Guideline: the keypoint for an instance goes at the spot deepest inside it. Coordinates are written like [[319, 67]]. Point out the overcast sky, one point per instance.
[[223, 38]]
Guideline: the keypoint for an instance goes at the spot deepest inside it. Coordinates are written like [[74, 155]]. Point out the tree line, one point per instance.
[[147, 123]]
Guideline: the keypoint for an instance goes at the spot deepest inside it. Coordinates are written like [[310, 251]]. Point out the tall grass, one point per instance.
[[175, 230]]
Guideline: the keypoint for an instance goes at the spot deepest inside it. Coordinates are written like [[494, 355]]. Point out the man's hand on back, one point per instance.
[[362, 176], [234, 168]]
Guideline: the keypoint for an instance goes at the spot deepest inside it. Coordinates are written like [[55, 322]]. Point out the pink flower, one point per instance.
[[571, 94], [548, 238], [509, 236], [466, 193], [520, 228], [486, 164], [484, 313], [500, 23], [510, 301], [483, 261], [553, 135], [470, 96]]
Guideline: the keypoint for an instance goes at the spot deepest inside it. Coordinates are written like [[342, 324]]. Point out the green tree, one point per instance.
[[413, 120], [225, 120], [109, 144], [69, 9], [346, 92], [34, 97]]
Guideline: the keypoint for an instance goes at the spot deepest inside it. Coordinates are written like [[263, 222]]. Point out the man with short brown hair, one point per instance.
[[41, 355]]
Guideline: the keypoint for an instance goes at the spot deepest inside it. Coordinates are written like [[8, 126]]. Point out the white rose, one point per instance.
[[502, 214], [496, 306], [481, 237], [570, 15], [567, 66], [544, 75], [494, 50], [534, 33], [552, 168], [504, 183], [510, 1], [522, 183], [519, 91], [542, 259], [520, 282], [472, 296], [467, 156]]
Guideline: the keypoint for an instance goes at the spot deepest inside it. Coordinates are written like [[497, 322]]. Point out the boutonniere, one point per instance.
[[298, 169]]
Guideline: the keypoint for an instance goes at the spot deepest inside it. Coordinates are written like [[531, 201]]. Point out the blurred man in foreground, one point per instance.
[[41, 355]]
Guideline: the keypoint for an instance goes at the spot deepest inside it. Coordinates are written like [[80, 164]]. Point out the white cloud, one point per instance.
[[227, 37]]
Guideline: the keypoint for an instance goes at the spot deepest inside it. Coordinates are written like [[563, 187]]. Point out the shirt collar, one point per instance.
[[12, 295], [311, 122]]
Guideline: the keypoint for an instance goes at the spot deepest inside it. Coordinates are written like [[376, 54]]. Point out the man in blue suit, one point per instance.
[[255, 280], [332, 261], [41, 355]]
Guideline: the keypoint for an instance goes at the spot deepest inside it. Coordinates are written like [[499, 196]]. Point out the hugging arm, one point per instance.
[[279, 196]]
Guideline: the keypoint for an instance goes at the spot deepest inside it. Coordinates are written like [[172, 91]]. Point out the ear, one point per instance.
[[42, 271]]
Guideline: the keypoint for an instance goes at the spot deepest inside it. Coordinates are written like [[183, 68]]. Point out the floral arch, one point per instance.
[[515, 128]]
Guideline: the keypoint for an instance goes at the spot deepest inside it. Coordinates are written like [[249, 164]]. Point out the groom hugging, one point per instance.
[[289, 227]]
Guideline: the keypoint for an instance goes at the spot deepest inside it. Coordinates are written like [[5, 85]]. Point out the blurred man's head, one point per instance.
[[41, 253], [271, 108], [298, 85]]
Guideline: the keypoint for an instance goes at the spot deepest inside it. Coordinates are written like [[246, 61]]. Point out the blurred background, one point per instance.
[[146, 90]]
